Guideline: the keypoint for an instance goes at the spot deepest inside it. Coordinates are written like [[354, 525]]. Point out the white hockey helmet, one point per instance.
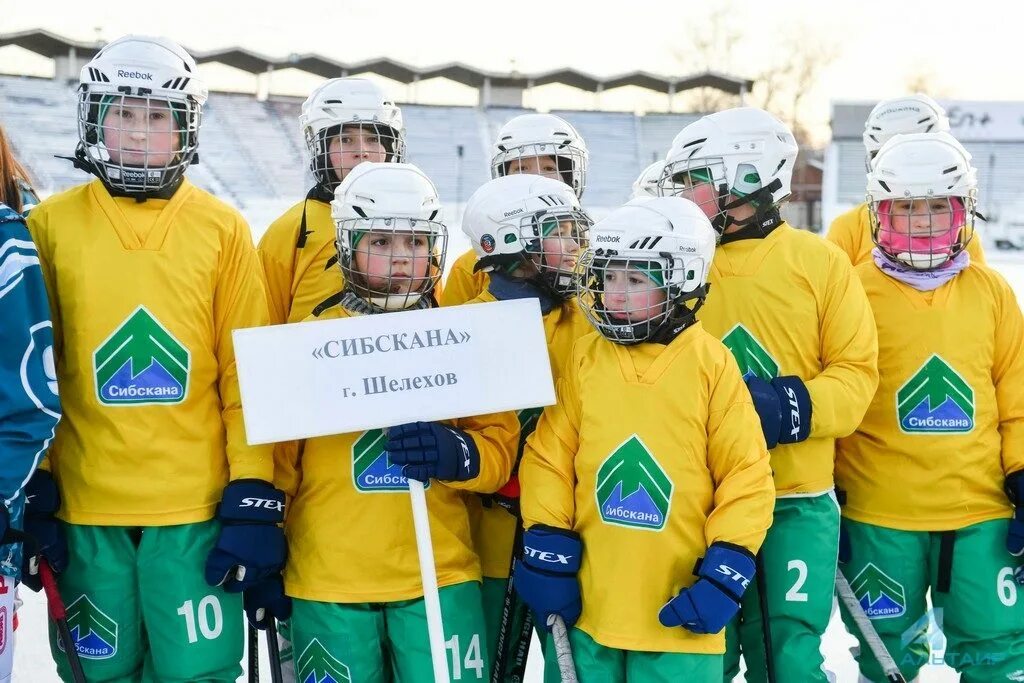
[[646, 184], [399, 205], [745, 154], [542, 135], [136, 75], [524, 219], [349, 102], [669, 240], [916, 113], [922, 193]]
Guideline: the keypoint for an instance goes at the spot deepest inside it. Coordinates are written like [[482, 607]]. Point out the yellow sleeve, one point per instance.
[[287, 466], [1008, 378], [976, 248], [848, 234], [277, 257], [842, 392], [496, 437], [739, 464], [462, 283], [547, 473], [36, 222], [239, 301]]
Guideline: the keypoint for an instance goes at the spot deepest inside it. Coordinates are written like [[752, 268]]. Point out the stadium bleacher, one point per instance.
[[252, 151]]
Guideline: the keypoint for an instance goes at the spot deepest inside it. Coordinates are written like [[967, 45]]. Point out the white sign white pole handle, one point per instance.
[[431, 599]]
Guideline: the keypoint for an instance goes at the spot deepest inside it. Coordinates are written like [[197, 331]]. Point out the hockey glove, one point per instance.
[[265, 601], [709, 604], [784, 407], [251, 545], [42, 501], [431, 450], [1015, 492], [545, 576], [508, 496]]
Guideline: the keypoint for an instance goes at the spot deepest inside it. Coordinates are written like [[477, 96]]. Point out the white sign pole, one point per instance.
[[431, 597]]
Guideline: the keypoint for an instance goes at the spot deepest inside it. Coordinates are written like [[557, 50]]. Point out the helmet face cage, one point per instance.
[[138, 143], [336, 150], [922, 232], [391, 263], [553, 243], [566, 162], [627, 299], [703, 182]]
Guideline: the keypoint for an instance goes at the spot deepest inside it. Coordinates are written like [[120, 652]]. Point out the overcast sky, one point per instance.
[[967, 50]]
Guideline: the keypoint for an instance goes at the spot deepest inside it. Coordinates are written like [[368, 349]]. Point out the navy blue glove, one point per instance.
[[711, 603], [42, 501], [251, 545], [431, 450], [784, 407], [545, 576], [1015, 492], [266, 600]]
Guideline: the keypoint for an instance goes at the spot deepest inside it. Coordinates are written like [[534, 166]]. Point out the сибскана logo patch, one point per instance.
[[141, 363], [372, 469], [750, 354], [632, 488], [935, 400]]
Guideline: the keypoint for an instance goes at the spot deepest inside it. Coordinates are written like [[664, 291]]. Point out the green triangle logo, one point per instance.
[[632, 488], [372, 469], [316, 665], [881, 596], [141, 363], [94, 633], [750, 354], [935, 400]]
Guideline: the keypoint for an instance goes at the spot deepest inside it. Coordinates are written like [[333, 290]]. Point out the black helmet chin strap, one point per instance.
[[82, 162], [765, 219], [681, 316]]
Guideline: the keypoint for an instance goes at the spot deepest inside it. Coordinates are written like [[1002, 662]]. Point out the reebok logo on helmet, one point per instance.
[[607, 238], [140, 75]]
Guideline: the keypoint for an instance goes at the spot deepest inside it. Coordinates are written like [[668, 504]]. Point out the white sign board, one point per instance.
[[972, 121], [374, 371]]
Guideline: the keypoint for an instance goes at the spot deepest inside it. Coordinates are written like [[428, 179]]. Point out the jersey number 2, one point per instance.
[[794, 594]]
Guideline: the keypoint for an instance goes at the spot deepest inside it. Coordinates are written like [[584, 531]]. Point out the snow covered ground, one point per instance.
[[33, 663]]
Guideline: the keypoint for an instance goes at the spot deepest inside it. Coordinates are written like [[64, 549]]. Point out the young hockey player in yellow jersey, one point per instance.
[[527, 231], [150, 475], [851, 231], [353, 573], [646, 490], [345, 122], [935, 472], [539, 144], [789, 307]]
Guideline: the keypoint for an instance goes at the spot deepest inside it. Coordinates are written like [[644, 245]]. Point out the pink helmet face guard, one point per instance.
[[923, 241]]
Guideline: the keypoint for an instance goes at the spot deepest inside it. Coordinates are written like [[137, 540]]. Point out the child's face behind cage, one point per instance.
[[394, 263], [141, 132], [630, 296], [353, 146]]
